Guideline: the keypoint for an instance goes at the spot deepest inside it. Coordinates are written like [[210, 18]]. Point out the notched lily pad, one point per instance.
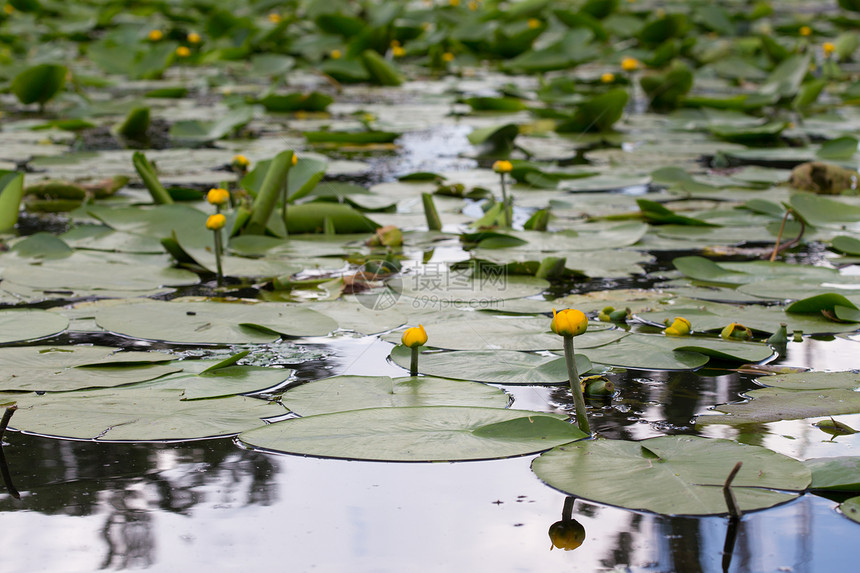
[[672, 475], [418, 434]]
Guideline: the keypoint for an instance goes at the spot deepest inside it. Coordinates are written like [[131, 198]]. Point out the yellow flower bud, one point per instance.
[[534, 23], [805, 31], [503, 166], [414, 337], [569, 322], [183, 51], [216, 222], [473, 5], [454, 2], [193, 38], [737, 332], [335, 54], [240, 162], [155, 35], [828, 48], [218, 196], [629, 64], [295, 159], [398, 51], [275, 18], [448, 57], [8, 9], [567, 534], [607, 78], [680, 327]]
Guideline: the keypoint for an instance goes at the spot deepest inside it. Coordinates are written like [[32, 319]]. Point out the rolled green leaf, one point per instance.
[[147, 172], [11, 191], [267, 198], [434, 223]]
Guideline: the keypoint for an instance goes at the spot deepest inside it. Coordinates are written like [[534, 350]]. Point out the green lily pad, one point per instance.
[[775, 404], [812, 380], [495, 366], [432, 284], [672, 475], [228, 380], [39, 83], [850, 508], [342, 393], [819, 210], [65, 368], [418, 434], [29, 324], [137, 415], [212, 322], [835, 474], [659, 352], [846, 244]]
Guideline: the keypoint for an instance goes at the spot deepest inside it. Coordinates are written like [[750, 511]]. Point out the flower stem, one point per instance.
[[218, 249], [413, 364], [575, 388], [505, 206]]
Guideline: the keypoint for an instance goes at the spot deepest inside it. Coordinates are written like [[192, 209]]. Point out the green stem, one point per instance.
[[218, 249], [575, 388], [413, 364], [506, 207]]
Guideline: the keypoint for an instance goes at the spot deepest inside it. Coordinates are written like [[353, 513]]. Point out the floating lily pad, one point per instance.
[[419, 434], [213, 323], [658, 352], [200, 379], [812, 380], [850, 508], [342, 393], [64, 368], [835, 474], [497, 366], [29, 324], [136, 415], [672, 475], [439, 284]]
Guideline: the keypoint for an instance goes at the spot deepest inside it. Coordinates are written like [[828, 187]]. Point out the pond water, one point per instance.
[[214, 505]]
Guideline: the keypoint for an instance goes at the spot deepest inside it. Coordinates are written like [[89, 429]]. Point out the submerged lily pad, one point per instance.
[[136, 415], [496, 366], [342, 393], [672, 475], [417, 434], [212, 322]]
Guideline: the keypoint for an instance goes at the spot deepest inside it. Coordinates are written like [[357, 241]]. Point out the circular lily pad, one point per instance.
[[341, 393], [136, 415], [213, 322], [420, 434], [672, 475], [29, 324]]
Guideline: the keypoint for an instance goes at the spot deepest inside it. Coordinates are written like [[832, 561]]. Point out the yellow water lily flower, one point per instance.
[[155, 35], [805, 31], [183, 51], [414, 337], [736, 331], [448, 57], [335, 54], [240, 162], [398, 51], [569, 322], [216, 222], [218, 196], [629, 64], [534, 23], [607, 78], [828, 48], [275, 18], [295, 159], [680, 327], [567, 534], [503, 166], [193, 38]]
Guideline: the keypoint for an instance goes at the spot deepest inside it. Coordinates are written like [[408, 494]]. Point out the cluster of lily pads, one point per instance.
[[569, 159]]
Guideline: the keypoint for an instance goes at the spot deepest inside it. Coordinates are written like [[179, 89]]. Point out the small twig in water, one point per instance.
[[731, 502]]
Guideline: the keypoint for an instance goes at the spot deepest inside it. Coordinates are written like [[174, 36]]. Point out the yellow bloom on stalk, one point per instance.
[[240, 162], [607, 77], [454, 2], [503, 166], [805, 31], [193, 38], [473, 5], [183, 51], [534, 23], [398, 51], [216, 222], [679, 327], [629, 64], [828, 48], [414, 337], [153, 36], [335, 54], [218, 196], [275, 18], [569, 322], [295, 159], [448, 57], [8, 9]]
